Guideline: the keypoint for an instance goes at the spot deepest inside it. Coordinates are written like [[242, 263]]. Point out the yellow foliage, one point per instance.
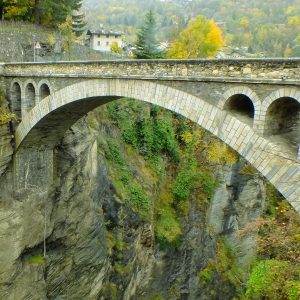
[[17, 8], [201, 38], [51, 39], [187, 137], [294, 21], [290, 10], [220, 153], [247, 170], [288, 52], [115, 47], [66, 31], [256, 12], [244, 22], [5, 116]]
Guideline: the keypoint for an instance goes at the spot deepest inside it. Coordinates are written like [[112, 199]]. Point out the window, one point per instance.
[[107, 43], [107, 36], [98, 35], [98, 43]]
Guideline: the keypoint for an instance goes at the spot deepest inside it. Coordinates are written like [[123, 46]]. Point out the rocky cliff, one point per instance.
[[86, 240]]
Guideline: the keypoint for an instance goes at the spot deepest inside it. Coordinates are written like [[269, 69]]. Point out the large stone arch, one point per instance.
[[46, 123]]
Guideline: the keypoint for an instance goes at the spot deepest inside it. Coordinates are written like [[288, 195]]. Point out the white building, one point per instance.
[[102, 40]]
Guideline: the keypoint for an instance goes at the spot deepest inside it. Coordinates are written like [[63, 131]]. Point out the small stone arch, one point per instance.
[[44, 89], [16, 97], [29, 100], [281, 93], [241, 102], [281, 118]]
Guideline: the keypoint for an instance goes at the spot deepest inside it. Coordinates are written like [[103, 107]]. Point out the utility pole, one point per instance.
[[33, 36]]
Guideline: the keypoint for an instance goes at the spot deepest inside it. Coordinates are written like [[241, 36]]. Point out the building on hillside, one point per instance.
[[243, 52], [102, 40]]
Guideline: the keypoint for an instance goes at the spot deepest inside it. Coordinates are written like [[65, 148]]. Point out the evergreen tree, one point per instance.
[[1, 9], [78, 22], [147, 46]]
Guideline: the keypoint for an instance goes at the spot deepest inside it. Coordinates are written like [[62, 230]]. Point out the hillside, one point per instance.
[[267, 26]]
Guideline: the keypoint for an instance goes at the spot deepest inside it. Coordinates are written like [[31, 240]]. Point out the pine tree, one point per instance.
[[147, 46], [78, 22], [1, 9]]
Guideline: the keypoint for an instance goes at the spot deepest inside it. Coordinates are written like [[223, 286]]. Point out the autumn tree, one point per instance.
[[41, 12], [201, 38], [146, 44], [115, 47], [68, 35]]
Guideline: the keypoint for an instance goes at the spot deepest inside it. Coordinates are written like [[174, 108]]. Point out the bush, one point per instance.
[[183, 184], [138, 198], [109, 291], [268, 280], [167, 228], [5, 115], [223, 271]]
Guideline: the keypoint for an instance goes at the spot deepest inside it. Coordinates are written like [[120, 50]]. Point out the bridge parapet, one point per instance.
[[228, 70]]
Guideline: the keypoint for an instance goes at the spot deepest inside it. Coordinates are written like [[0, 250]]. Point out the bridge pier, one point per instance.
[[33, 169]]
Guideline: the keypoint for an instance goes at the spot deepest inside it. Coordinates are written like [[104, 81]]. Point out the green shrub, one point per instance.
[[165, 139], [183, 184], [109, 291], [167, 228], [5, 115], [114, 154], [207, 274], [268, 280], [224, 271], [208, 183], [138, 198]]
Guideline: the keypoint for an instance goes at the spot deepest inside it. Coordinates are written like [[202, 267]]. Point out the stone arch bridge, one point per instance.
[[253, 105]]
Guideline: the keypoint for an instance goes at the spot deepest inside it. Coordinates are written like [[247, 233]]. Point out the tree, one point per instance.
[[41, 12], [17, 9], [146, 44], [201, 38], [78, 22], [68, 35], [115, 47]]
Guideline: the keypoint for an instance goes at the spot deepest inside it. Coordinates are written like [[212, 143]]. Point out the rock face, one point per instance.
[[98, 248], [6, 149]]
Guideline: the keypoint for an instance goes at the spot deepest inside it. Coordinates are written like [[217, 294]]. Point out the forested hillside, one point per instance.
[[267, 26], [41, 12]]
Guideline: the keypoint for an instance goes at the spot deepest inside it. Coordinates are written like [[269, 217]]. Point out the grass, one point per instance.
[[37, 260]]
